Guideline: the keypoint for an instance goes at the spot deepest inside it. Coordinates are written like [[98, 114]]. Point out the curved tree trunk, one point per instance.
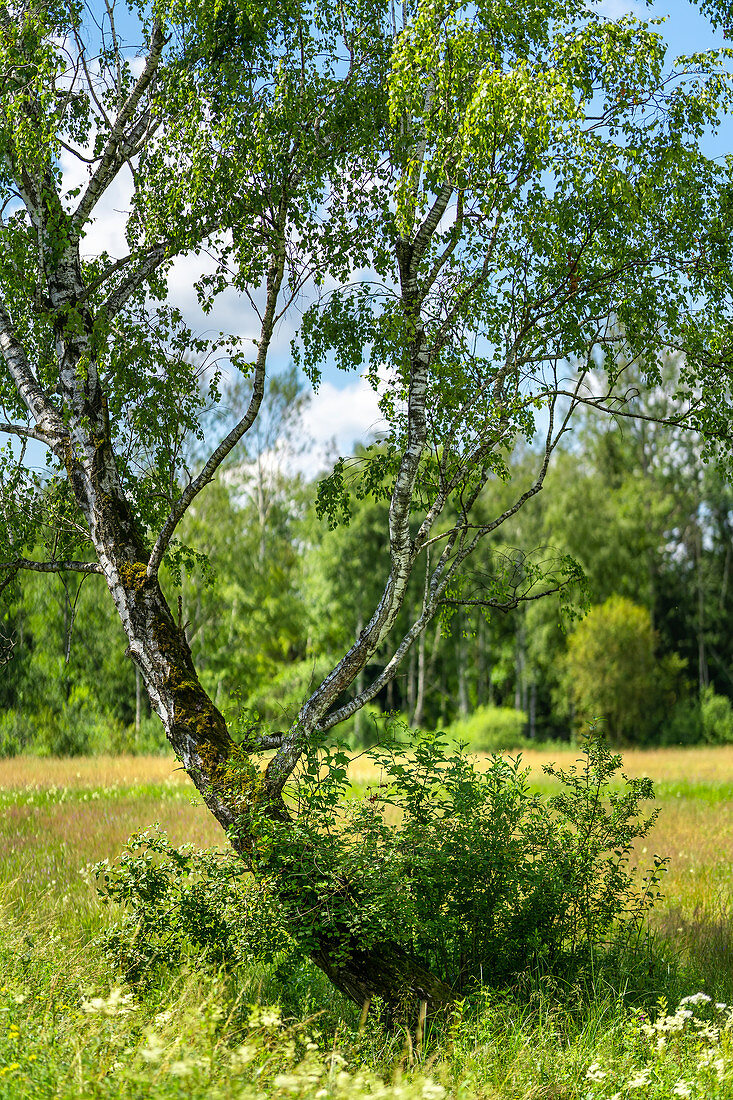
[[199, 736]]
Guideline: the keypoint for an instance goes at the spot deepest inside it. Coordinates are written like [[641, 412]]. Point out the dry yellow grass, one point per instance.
[[711, 764], [89, 771]]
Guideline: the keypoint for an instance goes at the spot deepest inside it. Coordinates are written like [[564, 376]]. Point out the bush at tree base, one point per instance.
[[467, 869]]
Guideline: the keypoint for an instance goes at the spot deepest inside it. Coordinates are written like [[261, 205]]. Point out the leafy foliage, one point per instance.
[[467, 869], [612, 670], [178, 900]]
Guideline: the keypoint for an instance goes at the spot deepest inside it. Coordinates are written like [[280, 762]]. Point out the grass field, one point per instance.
[[67, 1030]]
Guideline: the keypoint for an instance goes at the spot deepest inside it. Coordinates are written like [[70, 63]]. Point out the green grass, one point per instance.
[[195, 1033]]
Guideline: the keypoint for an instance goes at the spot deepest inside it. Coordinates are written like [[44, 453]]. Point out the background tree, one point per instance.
[[612, 671]]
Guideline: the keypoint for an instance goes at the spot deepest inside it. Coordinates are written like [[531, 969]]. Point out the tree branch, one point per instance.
[[118, 148], [274, 282], [24, 433], [36, 401], [52, 566]]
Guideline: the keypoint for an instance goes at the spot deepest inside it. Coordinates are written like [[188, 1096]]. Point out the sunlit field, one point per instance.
[[194, 1033]]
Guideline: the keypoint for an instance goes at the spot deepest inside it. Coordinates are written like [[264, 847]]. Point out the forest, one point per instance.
[[640, 640]]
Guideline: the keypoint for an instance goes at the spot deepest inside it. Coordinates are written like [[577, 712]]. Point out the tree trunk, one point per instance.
[[199, 736], [385, 971], [138, 699], [420, 695]]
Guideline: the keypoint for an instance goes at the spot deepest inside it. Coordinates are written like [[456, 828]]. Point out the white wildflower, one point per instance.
[[162, 1018], [180, 1069], [720, 1067], [721, 1006], [639, 1080], [153, 1050], [242, 1055], [696, 999], [681, 1088], [594, 1072], [289, 1081], [117, 1004], [266, 1017]]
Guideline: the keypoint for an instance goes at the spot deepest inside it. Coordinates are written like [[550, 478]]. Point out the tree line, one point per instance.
[[641, 641]]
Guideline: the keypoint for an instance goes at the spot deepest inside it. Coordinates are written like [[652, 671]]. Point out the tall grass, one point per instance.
[[67, 1030]]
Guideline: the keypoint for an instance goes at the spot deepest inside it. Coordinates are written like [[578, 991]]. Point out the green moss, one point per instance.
[[134, 575]]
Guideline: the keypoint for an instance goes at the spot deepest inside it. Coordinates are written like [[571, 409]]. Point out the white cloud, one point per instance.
[[336, 419]]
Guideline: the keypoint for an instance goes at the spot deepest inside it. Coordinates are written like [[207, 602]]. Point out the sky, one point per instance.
[[344, 409]]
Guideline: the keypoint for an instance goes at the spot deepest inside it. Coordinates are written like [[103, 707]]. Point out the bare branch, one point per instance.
[[52, 566]]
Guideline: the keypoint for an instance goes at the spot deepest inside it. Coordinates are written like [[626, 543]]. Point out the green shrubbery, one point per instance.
[[467, 870], [79, 729], [490, 729]]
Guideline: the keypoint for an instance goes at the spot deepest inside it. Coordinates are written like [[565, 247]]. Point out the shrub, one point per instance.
[[717, 717], [467, 870], [490, 729], [176, 900], [612, 672], [683, 726], [16, 733], [479, 879]]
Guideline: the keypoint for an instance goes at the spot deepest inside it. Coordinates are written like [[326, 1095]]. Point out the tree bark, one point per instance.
[[385, 971]]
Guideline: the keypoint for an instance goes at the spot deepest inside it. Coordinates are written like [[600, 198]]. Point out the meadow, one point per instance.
[[70, 1028]]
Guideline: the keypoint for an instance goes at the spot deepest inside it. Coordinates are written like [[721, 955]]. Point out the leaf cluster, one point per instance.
[[467, 869]]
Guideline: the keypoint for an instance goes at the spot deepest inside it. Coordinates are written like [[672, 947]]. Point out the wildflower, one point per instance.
[[289, 1081], [639, 1080], [594, 1072], [721, 1006], [242, 1055], [265, 1017], [696, 999], [180, 1069], [681, 1088], [117, 1004], [719, 1066], [153, 1050], [162, 1018]]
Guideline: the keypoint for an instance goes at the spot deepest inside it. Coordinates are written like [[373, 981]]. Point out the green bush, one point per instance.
[[16, 733], [612, 672], [480, 879], [178, 900], [717, 717], [490, 729], [683, 726], [467, 870]]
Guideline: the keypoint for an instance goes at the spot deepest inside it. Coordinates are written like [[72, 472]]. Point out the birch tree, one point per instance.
[[481, 203]]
